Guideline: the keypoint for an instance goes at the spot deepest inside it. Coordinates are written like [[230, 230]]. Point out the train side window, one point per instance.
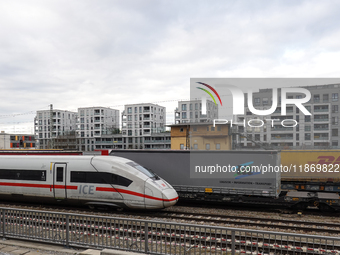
[[141, 169], [78, 176], [99, 178], [60, 174], [25, 175]]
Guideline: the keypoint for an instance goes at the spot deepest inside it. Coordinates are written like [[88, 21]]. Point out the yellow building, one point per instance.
[[200, 136]]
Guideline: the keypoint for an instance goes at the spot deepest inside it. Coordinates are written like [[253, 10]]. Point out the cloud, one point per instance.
[[107, 53]]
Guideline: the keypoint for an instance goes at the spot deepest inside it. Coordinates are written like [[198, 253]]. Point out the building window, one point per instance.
[[307, 118], [335, 97], [257, 101], [194, 129], [195, 146], [316, 98], [219, 128], [184, 107], [265, 101], [335, 132], [190, 107], [207, 146], [129, 109], [335, 108], [325, 98], [212, 128], [184, 115], [335, 120], [181, 130], [196, 106], [218, 146], [335, 143], [307, 136], [307, 128], [182, 146]]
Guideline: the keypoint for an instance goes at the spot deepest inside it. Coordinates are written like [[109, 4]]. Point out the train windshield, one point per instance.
[[145, 171]]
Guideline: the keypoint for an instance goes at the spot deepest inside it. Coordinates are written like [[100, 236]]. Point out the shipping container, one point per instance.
[[311, 165], [223, 173]]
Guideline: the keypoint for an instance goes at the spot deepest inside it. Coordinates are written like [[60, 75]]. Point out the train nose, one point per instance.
[[170, 197]]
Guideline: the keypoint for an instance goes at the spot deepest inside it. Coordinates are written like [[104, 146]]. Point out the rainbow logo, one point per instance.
[[209, 92]]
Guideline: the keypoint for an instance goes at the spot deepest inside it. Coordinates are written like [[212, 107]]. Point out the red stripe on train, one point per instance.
[[32, 185], [134, 194], [47, 186]]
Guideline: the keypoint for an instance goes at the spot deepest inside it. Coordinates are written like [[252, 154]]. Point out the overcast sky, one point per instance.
[[109, 53]]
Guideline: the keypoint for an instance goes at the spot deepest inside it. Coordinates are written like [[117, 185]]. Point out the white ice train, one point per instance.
[[88, 180]]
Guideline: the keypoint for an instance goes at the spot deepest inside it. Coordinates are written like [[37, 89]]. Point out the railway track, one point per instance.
[[297, 226], [232, 220], [194, 239]]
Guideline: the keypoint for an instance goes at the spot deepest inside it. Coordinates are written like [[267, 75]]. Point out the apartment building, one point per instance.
[[93, 125], [17, 141], [143, 127], [320, 130], [191, 111], [49, 124]]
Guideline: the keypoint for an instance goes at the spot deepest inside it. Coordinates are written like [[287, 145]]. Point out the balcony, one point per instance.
[[321, 109], [105, 142], [282, 129], [320, 128], [282, 137], [321, 138], [321, 120], [157, 141]]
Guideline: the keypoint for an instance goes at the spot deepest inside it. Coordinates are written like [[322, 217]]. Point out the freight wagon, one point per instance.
[[189, 172], [312, 170]]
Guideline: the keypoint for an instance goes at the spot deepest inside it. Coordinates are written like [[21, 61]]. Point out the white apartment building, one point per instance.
[[95, 122], [48, 124], [142, 125], [320, 130], [191, 111]]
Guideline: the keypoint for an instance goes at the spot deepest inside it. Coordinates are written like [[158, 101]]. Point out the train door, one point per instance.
[[59, 181]]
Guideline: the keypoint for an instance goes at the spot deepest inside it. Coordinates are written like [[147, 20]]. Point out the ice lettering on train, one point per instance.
[[86, 189]]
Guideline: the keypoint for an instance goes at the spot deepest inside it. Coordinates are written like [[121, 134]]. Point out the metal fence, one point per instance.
[[155, 237]]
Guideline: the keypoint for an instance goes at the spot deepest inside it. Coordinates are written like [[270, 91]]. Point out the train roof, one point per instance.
[[59, 158]]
